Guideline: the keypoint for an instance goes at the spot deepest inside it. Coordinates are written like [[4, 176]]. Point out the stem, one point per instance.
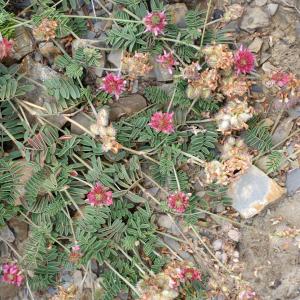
[[82, 161], [13, 139], [123, 278], [205, 24], [172, 99], [172, 251], [277, 120], [179, 42], [177, 180], [74, 203], [103, 18]]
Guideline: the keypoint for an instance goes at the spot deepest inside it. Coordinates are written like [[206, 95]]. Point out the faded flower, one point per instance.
[[100, 196], [219, 57], [5, 47], [12, 274], [234, 86], [244, 61], [162, 122], [46, 30], [189, 274], [136, 65], [155, 22], [113, 84], [215, 172], [191, 72], [204, 86], [167, 61], [178, 201]]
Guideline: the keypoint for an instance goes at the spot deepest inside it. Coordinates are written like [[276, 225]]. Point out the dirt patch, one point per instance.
[[271, 252]]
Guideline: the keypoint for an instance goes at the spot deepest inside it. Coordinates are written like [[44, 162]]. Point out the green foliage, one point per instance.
[[156, 95], [275, 159]]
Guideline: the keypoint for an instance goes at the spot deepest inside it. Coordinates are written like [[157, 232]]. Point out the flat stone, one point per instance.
[[268, 67], [294, 112], [283, 130], [272, 8], [261, 2], [234, 235], [177, 12], [19, 227], [114, 57], [23, 43], [254, 18], [165, 221], [256, 45], [6, 234], [253, 191], [82, 119], [293, 181], [127, 106], [49, 50]]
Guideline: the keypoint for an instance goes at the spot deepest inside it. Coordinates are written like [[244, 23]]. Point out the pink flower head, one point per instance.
[[12, 274], [244, 61], [113, 84], [99, 196], [280, 78], [167, 60], [5, 47], [189, 274], [179, 202], [162, 122], [155, 22], [76, 248]]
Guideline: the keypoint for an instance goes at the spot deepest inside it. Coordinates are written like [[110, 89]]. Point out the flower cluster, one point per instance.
[[167, 61], [219, 57], [75, 254], [234, 116], [5, 47], [233, 87], [155, 22], [136, 65], [162, 122], [235, 161], [244, 61], [46, 30], [191, 72], [106, 132], [178, 201], [100, 196], [113, 84], [12, 274]]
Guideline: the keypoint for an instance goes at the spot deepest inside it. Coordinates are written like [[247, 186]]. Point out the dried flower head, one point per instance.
[[219, 57], [136, 65], [234, 116], [281, 78], [178, 201], [191, 72], [113, 84], [12, 274], [204, 86], [162, 122], [167, 61], [215, 172], [189, 274], [234, 86], [233, 12], [46, 30], [244, 61], [155, 22], [100, 196], [247, 294], [5, 47]]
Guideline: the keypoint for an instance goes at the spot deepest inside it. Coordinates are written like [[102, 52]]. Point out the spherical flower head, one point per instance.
[[281, 78], [99, 196], [12, 274], [189, 274], [162, 122], [76, 248], [244, 61], [178, 201], [155, 22], [113, 84], [167, 60], [5, 47]]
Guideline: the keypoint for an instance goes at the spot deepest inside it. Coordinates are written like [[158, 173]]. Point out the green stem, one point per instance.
[[74, 203], [103, 18], [179, 42], [205, 24]]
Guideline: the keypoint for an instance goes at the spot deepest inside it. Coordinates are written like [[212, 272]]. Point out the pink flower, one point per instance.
[[99, 196], [113, 84], [281, 78], [189, 274], [244, 61], [167, 60], [5, 47], [162, 122], [155, 22], [179, 202], [76, 248], [12, 274]]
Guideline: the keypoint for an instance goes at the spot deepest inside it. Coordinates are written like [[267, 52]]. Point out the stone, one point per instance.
[[23, 43], [84, 120], [19, 227], [234, 235], [293, 181], [161, 73], [256, 45], [49, 50], [262, 163], [114, 57], [217, 244], [6, 234], [8, 291], [294, 112], [127, 106], [272, 9], [261, 2], [254, 18], [177, 12], [268, 67], [264, 57], [283, 130], [253, 191]]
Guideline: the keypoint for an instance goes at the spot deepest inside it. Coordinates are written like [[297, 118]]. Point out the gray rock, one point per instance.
[[217, 244], [20, 228], [283, 130], [294, 112], [293, 181], [165, 221], [272, 8], [177, 12], [234, 235], [23, 43], [254, 18], [82, 119], [6, 234], [261, 2], [49, 50], [114, 57], [253, 191], [256, 45]]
